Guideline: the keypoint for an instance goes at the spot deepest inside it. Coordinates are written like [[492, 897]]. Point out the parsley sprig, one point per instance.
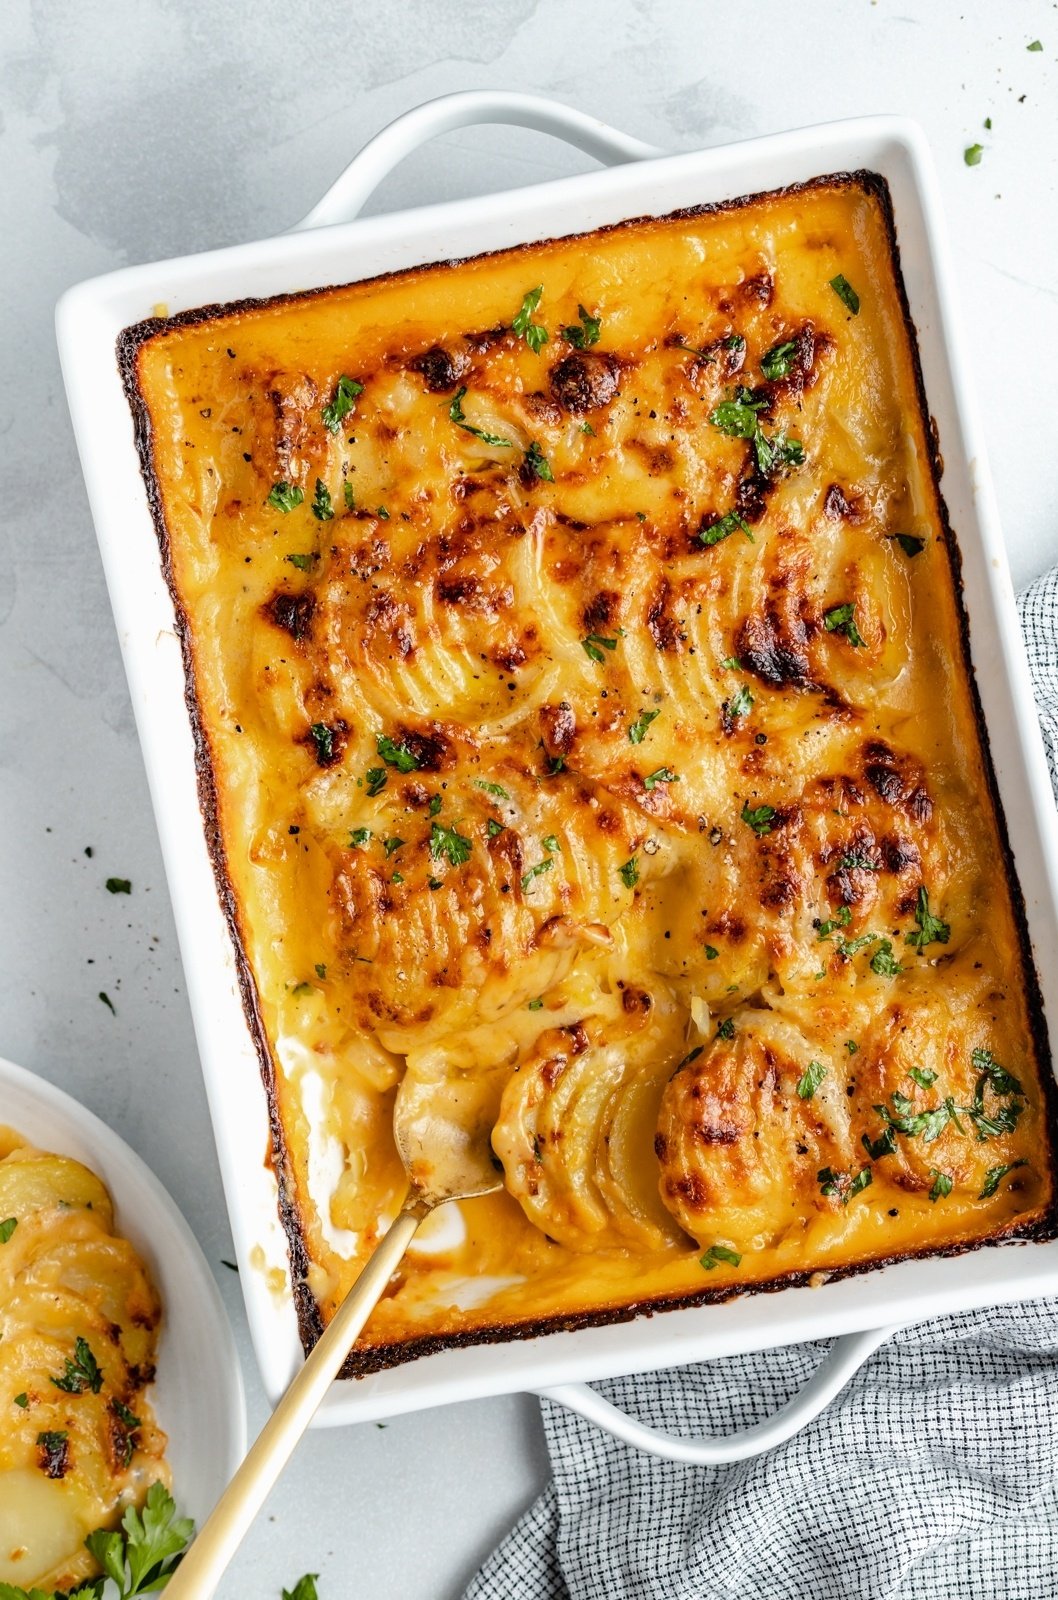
[[140, 1556]]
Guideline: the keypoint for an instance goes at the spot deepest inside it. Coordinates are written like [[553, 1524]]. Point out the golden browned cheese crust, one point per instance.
[[586, 716]]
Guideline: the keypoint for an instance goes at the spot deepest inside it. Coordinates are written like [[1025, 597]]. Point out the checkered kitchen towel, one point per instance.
[[932, 1475]]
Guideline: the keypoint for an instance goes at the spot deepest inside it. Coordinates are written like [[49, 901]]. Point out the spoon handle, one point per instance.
[[207, 1559]]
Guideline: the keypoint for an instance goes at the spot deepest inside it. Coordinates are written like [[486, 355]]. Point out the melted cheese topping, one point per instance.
[[538, 767], [77, 1305]]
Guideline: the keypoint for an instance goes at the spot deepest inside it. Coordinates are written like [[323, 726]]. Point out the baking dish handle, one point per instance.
[[365, 172], [844, 1357]]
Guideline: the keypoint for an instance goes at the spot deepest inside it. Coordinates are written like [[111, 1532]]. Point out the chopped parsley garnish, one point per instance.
[[323, 739], [726, 1029], [909, 544], [842, 619], [714, 532], [119, 885], [885, 1145], [302, 562], [931, 930], [434, 808], [347, 492], [322, 509], [7, 1228], [380, 511], [717, 1253], [450, 843], [731, 664], [711, 952], [630, 873], [638, 729], [861, 862], [972, 154], [54, 1456], [359, 837], [455, 413], [82, 1372], [141, 1555], [994, 1177], [841, 1185], [923, 1077], [942, 1185], [587, 428], [849, 947], [551, 844], [1035, 46], [778, 451], [810, 1080], [284, 497], [841, 919], [535, 872], [738, 418], [342, 402], [496, 789], [594, 645], [779, 359], [397, 877], [846, 293], [537, 1004], [22, 1400], [494, 828], [321, 970], [534, 333], [740, 703], [581, 335], [1002, 1081], [389, 845], [301, 989], [927, 1125], [884, 963], [377, 778], [107, 1001], [851, 1046], [661, 775], [536, 459], [760, 818], [396, 755]]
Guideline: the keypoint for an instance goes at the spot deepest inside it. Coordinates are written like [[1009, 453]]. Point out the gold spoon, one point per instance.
[[442, 1132]]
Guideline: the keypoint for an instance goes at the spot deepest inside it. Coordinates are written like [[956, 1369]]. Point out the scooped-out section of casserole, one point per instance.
[[584, 709], [79, 1319]]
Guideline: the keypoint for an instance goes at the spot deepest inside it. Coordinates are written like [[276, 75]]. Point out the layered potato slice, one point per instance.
[[79, 1323]]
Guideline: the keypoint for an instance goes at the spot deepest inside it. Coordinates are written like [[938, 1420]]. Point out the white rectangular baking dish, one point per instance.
[[330, 249]]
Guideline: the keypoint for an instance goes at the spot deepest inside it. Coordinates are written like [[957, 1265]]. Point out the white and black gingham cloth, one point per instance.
[[932, 1476]]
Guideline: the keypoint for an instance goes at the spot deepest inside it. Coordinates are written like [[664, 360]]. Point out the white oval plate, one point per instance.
[[198, 1394]]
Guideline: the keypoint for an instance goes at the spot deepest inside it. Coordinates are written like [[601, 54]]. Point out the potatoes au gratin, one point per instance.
[[79, 1323], [580, 681]]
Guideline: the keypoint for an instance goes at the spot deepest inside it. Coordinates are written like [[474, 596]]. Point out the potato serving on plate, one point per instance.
[[79, 1321]]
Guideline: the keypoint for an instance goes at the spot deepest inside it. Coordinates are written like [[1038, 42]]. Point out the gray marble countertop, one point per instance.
[[137, 129]]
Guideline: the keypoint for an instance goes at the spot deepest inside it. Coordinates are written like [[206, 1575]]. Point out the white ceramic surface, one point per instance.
[[198, 1394], [89, 319]]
